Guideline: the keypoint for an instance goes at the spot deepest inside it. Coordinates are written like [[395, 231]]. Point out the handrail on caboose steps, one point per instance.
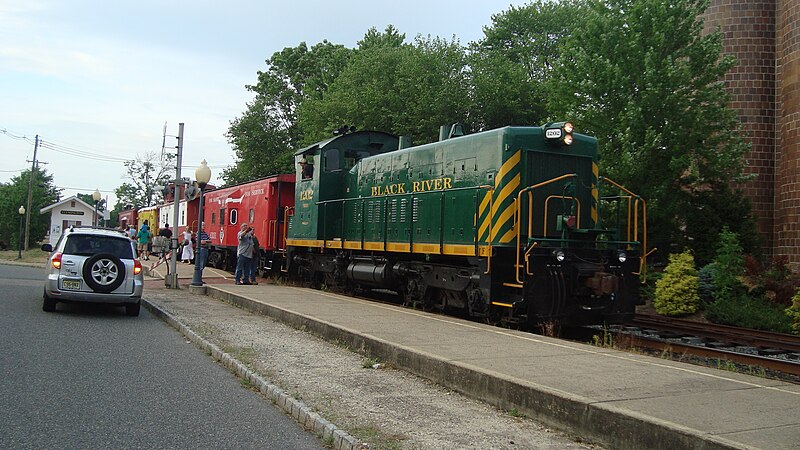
[[518, 216], [286, 216], [645, 253]]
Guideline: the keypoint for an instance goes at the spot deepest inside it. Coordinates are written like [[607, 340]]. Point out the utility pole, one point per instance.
[[172, 279], [30, 195]]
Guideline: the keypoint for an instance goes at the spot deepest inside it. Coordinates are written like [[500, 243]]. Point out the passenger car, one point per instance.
[[94, 265]]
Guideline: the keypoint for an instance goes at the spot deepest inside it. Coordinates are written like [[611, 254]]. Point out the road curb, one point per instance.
[[304, 415]]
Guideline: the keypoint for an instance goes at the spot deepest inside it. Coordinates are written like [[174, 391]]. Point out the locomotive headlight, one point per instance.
[[559, 255], [568, 128], [568, 139], [622, 257]]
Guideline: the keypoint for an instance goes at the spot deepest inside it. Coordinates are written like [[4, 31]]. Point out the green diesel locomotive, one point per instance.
[[506, 225]]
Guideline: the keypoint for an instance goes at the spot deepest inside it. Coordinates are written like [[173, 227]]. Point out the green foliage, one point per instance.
[[793, 312], [410, 89], [749, 312], [711, 211], [15, 194], [264, 136], [733, 303], [512, 63], [729, 267], [643, 77], [676, 291], [705, 284], [145, 176]]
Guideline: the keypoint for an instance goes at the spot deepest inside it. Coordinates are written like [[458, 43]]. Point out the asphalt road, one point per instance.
[[90, 377]]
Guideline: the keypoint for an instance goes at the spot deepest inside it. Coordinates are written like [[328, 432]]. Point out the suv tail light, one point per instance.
[[56, 261], [137, 267]]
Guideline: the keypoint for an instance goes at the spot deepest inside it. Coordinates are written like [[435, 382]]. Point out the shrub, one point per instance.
[[676, 291], [749, 312], [705, 285], [729, 267], [778, 281], [793, 312]]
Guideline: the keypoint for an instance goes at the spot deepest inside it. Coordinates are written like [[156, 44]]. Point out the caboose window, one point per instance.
[[234, 216], [252, 215], [213, 218]]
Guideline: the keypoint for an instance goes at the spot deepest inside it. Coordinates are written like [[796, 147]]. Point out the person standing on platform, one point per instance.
[[244, 254], [187, 254], [165, 232], [143, 238], [203, 244], [255, 260]]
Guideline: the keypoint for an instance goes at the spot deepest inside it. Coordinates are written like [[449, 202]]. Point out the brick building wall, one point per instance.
[[787, 155], [748, 28]]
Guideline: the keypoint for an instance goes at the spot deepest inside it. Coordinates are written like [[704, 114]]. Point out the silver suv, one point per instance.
[[95, 265]]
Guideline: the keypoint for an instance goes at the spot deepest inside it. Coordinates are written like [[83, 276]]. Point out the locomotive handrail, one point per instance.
[[490, 188], [645, 253], [518, 215]]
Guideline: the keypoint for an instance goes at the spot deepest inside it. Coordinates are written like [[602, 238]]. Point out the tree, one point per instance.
[[511, 65], [265, 135], [146, 175], [408, 89], [645, 80], [15, 194]]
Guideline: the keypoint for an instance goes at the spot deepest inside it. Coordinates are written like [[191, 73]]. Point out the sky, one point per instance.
[[98, 81]]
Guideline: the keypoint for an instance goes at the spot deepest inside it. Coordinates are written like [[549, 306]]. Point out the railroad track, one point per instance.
[[776, 353]]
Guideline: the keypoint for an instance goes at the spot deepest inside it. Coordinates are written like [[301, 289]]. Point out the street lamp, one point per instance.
[[96, 197], [21, 212], [203, 175]]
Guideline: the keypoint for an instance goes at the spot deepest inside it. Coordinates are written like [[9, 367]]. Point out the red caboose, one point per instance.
[[128, 217], [261, 204]]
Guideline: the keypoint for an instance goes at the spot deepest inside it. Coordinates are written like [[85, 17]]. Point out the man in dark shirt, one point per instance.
[[203, 241], [165, 232]]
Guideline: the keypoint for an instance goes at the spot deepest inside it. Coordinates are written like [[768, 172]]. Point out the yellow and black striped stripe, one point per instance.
[[501, 216]]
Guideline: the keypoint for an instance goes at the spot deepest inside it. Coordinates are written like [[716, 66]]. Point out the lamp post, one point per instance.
[[203, 175], [21, 212], [96, 197]]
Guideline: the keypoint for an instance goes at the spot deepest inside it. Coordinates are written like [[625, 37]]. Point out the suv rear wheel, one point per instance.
[[103, 272]]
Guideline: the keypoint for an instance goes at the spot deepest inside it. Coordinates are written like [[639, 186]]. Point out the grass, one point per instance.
[[369, 362], [376, 438], [514, 412], [33, 255]]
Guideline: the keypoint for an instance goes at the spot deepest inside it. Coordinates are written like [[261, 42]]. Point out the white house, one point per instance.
[[68, 212]]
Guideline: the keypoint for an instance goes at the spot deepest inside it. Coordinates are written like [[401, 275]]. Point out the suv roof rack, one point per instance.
[[72, 228]]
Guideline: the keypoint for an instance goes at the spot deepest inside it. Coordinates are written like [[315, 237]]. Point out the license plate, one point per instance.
[[71, 285]]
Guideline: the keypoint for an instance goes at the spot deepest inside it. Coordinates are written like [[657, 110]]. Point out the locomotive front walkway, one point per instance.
[[615, 398]]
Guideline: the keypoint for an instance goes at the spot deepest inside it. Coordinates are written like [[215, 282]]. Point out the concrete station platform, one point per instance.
[[615, 398]]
